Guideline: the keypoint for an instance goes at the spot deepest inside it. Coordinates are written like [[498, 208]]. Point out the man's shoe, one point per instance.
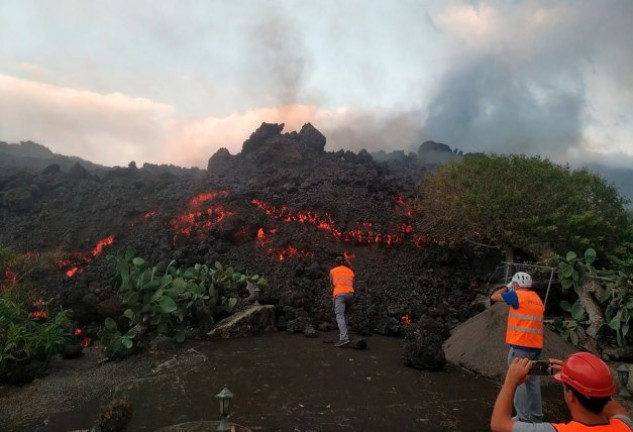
[[341, 343]]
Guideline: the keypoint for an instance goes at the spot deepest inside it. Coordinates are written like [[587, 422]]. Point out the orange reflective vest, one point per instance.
[[615, 425], [342, 279], [525, 324]]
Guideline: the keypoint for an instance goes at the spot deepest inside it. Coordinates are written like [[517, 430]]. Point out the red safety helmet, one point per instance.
[[588, 374]]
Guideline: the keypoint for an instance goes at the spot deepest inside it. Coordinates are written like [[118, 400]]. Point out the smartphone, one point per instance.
[[540, 367]]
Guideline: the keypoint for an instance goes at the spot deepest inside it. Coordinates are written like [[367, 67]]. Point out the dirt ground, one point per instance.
[[281, 382]]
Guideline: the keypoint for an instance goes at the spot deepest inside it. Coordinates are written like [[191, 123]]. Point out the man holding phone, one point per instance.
[[588, 387], [524, 335]]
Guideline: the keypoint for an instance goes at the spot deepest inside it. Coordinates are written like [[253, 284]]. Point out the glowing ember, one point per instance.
[[86, 342], [39, 314], [149, 215], [420, 240], [401, 206], [283, 253], [207, 196], [101, 244], [405, 320]]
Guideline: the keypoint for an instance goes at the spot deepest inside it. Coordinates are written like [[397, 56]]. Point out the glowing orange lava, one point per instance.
[[364, 234], [283, 253], [197, 219], [77, 261]]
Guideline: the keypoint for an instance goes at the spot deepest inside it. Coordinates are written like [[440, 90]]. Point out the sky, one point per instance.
[[171, 82]]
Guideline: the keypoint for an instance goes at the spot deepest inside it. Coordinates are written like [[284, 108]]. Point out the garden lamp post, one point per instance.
[[225, 409], [623, 377]]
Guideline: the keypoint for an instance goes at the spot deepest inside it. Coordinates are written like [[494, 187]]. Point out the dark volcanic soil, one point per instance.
[[281, 382]]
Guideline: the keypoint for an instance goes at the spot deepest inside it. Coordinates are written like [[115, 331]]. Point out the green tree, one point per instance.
[[519, 202]]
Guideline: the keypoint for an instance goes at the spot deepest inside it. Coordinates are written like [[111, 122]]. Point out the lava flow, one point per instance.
[[78, 261], [198, 220], [364, 234]]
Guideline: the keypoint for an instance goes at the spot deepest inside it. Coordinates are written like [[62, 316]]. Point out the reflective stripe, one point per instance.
[[525, 329], [526, 317], [342, 279], [525, 324]]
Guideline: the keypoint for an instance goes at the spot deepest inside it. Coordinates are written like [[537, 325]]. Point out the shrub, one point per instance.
[[26, 336], [164, 299]]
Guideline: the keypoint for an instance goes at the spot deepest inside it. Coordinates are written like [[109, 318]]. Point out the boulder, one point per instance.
[[479, 344], [422, 345]]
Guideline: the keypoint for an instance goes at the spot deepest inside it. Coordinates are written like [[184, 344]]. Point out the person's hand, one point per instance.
[[518, 371], [556, 365]]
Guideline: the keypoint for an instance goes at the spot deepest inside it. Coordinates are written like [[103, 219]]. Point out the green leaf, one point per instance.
[[129, 314], [167, 304], [110, 324], [231, 303], [180, 337], [567, 272], [138, 262], [606, 295], [577, 311], [565, 305], [590, 256], [573, 337], [566, 284], [180, 284], [158, 294], [615, 323], [127, 343], [571, 256]]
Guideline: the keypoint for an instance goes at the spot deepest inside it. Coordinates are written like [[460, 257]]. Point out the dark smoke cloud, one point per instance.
[[484, 106], [274, 58], [536, 80], [376, 130]]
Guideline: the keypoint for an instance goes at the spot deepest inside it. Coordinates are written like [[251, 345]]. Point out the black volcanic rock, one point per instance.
[[312, 139], [428, 146], [283, 208]]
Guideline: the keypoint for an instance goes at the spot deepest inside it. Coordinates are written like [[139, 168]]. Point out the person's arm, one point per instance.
[[496, 296], [613, 408], [501, 420]]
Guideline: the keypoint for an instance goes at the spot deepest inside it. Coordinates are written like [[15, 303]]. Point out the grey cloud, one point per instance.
[[484, 106]]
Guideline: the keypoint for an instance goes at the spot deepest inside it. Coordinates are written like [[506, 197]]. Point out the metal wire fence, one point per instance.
[[503, 274]]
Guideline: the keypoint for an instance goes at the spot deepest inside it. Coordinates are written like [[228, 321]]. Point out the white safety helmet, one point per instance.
[[522, 279]]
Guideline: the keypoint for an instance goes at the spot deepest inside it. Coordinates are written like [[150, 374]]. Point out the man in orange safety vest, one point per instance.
[[524, 335], [342, 284]]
